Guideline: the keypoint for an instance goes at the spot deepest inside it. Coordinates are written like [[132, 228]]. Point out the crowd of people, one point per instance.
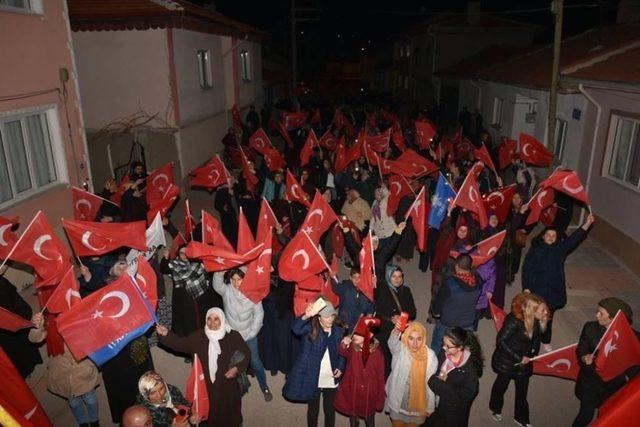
[[358, 355]]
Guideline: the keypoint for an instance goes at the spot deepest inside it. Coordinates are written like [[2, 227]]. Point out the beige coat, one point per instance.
[[357, 212]]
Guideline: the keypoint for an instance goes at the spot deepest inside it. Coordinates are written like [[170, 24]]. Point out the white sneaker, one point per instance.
[[547, 348], [496, 417], [518, 423]]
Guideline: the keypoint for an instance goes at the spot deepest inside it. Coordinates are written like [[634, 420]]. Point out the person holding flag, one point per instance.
[[244, 316], [165, 402], [591, 389]]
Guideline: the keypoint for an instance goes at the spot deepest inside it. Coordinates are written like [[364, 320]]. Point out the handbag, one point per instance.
[[243, 380]]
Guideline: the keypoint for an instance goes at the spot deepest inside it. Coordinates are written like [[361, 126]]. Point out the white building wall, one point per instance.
[[122, 73]]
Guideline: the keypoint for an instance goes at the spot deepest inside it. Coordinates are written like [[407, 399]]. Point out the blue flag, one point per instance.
[[440, 202]]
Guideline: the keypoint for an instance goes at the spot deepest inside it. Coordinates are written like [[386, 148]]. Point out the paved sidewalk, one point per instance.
[[591, 275]]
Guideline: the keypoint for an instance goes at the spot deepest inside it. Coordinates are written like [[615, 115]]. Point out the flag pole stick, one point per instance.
[[318, 251], [4, 261], [70, 245], [406, 215], [408, 185], [380, 170], [461, 187]]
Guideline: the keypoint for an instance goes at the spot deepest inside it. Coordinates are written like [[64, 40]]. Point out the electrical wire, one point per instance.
[[28, 94]]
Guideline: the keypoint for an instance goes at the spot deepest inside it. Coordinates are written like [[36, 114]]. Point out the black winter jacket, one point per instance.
[[512, 344]]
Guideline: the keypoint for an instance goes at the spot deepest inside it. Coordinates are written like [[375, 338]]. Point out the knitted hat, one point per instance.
[[613, 304]]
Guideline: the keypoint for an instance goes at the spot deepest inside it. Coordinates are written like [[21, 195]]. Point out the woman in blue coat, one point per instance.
[[543, 269], [318, 367]]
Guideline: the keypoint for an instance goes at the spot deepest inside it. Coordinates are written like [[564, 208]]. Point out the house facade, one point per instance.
[[596, 119], [43, 151], [160, 79]]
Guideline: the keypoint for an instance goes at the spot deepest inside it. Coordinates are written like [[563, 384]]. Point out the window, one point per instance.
[[26, 155], [497, 112], [245, 64], [561, 138], [32, 6], [204, 69], [624, 146]]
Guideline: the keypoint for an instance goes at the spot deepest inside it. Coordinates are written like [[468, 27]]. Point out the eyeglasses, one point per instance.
[[449, 347]]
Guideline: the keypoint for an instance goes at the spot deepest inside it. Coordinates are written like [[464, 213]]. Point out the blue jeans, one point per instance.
[[85, 407], [256, 363]]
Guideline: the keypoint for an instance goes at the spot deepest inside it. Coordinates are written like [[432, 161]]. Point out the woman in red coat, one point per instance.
[[361, 391]]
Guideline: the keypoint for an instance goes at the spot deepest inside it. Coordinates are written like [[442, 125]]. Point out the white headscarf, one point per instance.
[[214, 338]]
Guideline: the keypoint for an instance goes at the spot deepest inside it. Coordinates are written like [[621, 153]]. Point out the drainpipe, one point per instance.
[[433, 64], [593, 143], [474, 84]]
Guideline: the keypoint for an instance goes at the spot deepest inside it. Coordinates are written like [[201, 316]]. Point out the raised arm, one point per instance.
[[218, 283]]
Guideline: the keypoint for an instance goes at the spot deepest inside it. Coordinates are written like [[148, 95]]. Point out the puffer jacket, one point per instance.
[[384, 226], [242, 314], [512, 344]]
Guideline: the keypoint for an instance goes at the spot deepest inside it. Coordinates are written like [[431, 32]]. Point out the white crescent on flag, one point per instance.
[[37, 246], [85, 241], [564, 362], [304, 255], [572, 190], [122, 297], [3, 229]]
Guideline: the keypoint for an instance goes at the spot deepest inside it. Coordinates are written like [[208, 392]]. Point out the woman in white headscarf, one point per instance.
[[224, 355]]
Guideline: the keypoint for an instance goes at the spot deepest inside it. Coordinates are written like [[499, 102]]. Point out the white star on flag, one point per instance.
[[309, 229], [220, 260], [259, 269], [97, 314]]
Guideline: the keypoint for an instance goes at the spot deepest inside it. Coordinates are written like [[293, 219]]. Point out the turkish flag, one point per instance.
[[163, 205], [341, 161], [235, 114], [418, 165], [621, 409], [328, 294], [215, 258], [319, 218], [267, 221], [562, 363], [468, 197], [566, 181], [378, 143], [96, 238], [40, 248], [65, 295], [178, 240], [259, 141], [534, 152], [425, 132], [212, 233], [328, 141], [499, 201], [487, 248], [316, 118], [307, 149], [313, 283], [548, 216], [398, 188], [12, 322], [294, 192], [497, 314], [147, 281], [302, 298], [398, 140], [295, 120], [273, 159], [189, 222], [246, 241], [388, 167], [538, 203], [257, 280], [103, 317], [85, 204], [7, 237], [250, 177], [300, 259], [483, 155], [419, 212], [196, 388], [285, 134], [367, 268], [117, 196], [210, 175], [370, 155], [507, 152], [618, 349], [337, 241], [158, 181], [17, 398]]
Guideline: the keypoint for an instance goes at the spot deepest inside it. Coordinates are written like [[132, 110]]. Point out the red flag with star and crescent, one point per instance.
[[246, 242], [163, 205], [341, 161], [215, 258], [328, 141], [147, 281], [85, 204], [250, 177], [259, 141], [485, 250], [17, 398], [158, 181], [257, 280], [534, 152], [419, 213], [618, 349], [210, 175], [415, 164], [425, 132], [497, 314], [499, 201], [398, 140], [267, 221], [294, 191], [40, 248], [212, 233], [367, 268], [300, 259], [562, 363], [541, 200], [273, 159], [96, 238], [468, 197], [65, 295], [378, 143], [189, 221], [398, 188], [567, 182], [507, 152], [7, 236], [307, 149], [319, 218], [196, 390], [285, 134], [483, 155], [104, 316]]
